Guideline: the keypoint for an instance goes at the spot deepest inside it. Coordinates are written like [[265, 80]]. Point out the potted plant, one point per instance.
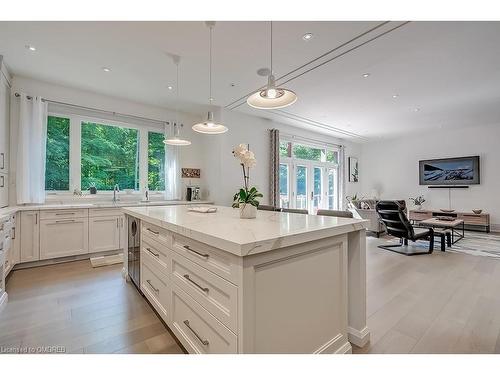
[[418, 201], [246, 198]]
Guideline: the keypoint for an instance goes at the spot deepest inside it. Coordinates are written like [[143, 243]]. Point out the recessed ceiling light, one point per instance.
[[416, 109], [106, 69], [366, 75], [307, 36], [31, 48], [395, 96], [170, 87]]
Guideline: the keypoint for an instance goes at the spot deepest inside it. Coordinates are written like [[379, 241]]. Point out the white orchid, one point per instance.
[[240, 150], [248, 159]]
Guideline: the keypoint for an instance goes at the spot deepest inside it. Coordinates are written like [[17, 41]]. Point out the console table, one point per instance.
[[471, 220]]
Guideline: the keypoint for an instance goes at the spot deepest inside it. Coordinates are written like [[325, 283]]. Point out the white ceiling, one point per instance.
[[450, 70]]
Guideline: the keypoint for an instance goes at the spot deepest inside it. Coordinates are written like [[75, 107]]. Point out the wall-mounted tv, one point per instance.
[[450, 171]]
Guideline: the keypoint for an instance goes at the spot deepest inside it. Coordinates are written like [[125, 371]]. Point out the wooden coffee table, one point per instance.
[[453, 225]]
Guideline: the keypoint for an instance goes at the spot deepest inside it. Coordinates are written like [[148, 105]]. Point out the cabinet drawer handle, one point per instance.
[[203, 341], [65, 221], [196, 284], [152, 252], [2, 184], [65, 213], [2, 154], [196, 252], [152, 286], [152, 231]]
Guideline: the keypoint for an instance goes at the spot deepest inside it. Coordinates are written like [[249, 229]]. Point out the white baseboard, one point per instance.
[[358, 338], [3, 300], [332, 346]]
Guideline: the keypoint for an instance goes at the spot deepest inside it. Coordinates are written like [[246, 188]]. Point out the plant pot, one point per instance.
[[247, 211], [418, 207]]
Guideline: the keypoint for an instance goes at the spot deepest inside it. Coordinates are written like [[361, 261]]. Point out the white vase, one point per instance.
[[247, 211]]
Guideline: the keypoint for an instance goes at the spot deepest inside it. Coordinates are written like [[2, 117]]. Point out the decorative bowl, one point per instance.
[[477, 211], [446, 210]]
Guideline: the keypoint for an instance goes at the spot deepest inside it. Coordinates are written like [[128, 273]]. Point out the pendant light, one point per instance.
[[272, 97], [176, 140], [210, 126]]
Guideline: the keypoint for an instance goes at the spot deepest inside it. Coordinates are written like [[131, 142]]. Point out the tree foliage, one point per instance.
[[57, 156], [109, 156], [156, 161]]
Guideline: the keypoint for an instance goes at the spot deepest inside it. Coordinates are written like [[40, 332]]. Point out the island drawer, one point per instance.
[[157, 253], [64, 214], [197, 329], [214, 293], [219, 262], [155, 287], [161, 235]]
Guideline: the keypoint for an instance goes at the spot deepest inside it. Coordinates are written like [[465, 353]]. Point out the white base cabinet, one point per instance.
[[104, 233], [30, 236], [63, 237]]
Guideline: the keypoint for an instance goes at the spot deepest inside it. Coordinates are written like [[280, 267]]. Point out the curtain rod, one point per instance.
[[17, 95], [310, 140]]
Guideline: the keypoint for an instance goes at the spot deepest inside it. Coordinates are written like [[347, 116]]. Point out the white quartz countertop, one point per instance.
[[98, 204], [225, 230]]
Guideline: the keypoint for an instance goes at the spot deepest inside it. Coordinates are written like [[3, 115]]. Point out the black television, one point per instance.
[[450, 171]]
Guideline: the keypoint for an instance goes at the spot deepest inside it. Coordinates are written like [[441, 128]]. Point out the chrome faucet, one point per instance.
[[116, 189]]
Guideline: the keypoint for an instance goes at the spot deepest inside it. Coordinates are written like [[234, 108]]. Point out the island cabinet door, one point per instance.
[[198, 330], [295, 299], [64, 237], [104, 233]]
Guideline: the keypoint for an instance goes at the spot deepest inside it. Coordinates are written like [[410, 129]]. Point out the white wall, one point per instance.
[[391, 167], [190, 156], [222, 172]]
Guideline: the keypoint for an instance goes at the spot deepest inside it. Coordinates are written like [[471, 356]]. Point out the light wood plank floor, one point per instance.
[[83, 310], [439, 303]]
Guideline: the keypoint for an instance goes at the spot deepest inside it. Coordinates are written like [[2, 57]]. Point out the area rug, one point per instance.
[[474, 243]]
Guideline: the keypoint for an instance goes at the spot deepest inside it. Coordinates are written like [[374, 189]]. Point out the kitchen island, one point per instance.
[[280, 283]]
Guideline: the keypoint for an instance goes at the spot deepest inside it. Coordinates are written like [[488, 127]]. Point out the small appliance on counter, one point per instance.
[[193, 193]]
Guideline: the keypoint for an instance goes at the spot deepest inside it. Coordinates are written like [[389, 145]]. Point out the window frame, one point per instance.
[[293, 162], [75, 134]]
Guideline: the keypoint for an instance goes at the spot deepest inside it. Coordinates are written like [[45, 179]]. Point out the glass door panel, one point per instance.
[[284, 184], [317, 189], [332, 189], [301, 195]]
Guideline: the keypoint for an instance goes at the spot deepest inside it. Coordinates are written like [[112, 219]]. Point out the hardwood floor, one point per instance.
[[82, 310], [439, 303]]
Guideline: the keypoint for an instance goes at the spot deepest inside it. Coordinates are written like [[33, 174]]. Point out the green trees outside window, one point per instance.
[[156, 161], [109, 156], [57, 154]]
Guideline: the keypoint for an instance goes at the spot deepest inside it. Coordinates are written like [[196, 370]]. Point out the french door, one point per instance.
[[309, 185]]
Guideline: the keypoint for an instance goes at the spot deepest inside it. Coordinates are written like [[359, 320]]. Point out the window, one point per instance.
[[156, 161], [309, 177], [284, 181], [109, 156], [307, 153], [57, 154]]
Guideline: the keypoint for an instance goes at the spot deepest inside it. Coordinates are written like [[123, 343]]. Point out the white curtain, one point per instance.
[[32, 137], [172, 173]]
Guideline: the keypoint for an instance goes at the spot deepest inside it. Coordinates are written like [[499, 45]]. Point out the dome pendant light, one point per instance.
[[272, 97], [210, 126], [176, 140]]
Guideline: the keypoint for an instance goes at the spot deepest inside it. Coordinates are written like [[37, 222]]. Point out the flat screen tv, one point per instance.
[[450, 171]]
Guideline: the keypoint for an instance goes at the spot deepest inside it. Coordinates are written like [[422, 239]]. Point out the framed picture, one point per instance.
[[353, 169], [190, 173]]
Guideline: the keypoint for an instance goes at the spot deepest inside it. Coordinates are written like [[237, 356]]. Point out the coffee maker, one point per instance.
[[193, 193]]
